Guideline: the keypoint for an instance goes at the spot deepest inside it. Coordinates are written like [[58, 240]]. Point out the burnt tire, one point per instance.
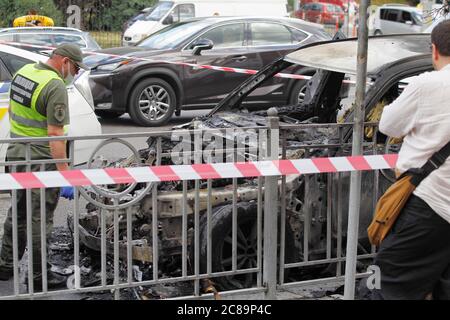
[[108, 114], [221, 242], [152, 102]]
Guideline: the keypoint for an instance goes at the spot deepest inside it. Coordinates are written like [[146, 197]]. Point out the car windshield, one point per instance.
[[173, 35], [50, 39], [140, 16], [159, 11]]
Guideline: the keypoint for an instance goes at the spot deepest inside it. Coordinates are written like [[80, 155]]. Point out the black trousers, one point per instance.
[[414, 259]]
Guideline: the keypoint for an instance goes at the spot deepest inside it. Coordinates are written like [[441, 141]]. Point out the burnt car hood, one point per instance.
[[341, 56]]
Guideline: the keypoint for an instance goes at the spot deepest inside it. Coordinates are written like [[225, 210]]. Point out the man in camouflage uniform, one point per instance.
[[39, 108]]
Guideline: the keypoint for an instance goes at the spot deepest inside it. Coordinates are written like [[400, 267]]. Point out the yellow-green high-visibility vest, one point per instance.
[[26, 86]]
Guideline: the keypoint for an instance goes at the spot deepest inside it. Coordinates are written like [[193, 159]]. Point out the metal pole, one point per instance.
[[355, 181], [271, 211], [348, 18]]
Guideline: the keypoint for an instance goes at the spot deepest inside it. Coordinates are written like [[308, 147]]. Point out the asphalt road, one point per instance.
[[124, 124]]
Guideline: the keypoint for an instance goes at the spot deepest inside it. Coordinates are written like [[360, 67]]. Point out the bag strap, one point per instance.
[[436, 160]]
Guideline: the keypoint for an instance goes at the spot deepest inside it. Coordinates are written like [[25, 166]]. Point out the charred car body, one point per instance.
[[392, 60]]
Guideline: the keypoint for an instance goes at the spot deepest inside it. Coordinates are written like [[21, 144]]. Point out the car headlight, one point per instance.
[[111, 66], [82, 84]]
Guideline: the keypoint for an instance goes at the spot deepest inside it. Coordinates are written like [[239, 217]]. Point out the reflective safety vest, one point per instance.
[[26, 86]]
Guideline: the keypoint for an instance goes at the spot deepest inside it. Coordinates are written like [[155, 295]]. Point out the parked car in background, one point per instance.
[[139, 16], [50, 36], [395, 19], [340, 3], [321, 12], [151, 91], [167, 12], [83, 120]]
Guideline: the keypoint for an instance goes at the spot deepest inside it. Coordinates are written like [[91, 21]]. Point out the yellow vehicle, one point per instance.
[[33, 21]]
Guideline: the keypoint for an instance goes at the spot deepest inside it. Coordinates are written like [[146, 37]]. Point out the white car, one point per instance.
[[49, 37], [83, 120], [394, 19]]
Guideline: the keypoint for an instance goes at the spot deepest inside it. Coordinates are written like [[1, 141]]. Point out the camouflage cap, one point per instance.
[[72, 52]]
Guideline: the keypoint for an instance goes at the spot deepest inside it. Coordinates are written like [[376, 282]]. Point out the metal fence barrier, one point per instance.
[[211, 237]]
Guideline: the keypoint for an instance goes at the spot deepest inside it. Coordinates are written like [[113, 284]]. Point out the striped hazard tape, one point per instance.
[[109, 176]]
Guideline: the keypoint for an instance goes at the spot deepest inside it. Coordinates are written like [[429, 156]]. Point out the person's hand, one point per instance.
[[66, 192]]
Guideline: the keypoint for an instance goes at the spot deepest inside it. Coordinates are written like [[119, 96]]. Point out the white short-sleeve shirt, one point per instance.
[[421, 114]]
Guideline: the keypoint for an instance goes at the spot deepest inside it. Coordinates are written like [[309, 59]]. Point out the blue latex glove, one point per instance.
[[66, 192]]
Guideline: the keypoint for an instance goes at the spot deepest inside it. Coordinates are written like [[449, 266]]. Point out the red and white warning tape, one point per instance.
[[87, 177], [192, 65]]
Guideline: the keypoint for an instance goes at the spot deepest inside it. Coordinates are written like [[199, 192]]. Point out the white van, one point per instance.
[[167, 12], [394, 19]]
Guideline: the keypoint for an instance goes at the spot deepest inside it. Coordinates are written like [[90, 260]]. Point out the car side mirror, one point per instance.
[[168, 20], [200, 45], [409, 22]]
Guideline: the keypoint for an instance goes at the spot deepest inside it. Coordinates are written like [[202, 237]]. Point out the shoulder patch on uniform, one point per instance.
[[60, 112]]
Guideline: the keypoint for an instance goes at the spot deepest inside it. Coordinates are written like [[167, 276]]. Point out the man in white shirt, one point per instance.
[[414, 259]]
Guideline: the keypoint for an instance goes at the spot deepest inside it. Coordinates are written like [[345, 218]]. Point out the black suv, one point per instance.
[[151, 90]]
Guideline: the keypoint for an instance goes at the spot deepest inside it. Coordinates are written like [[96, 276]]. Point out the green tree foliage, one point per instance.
[[104, 15], [120, 11], [11, 9], [291, 4], [97, 15]]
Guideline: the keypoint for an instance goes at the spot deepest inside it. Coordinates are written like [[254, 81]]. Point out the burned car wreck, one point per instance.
[[328, 100]]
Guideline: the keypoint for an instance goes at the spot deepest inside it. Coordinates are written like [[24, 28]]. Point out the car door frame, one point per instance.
[[408, 28], [390, 75], [186, 52], [389, 26], [282, 50]]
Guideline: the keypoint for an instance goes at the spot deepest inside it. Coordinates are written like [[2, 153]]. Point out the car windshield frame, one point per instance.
[[159, 11], [418, 17], [173, 35]]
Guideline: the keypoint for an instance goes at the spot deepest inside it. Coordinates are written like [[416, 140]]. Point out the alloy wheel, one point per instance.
[[154, 102]]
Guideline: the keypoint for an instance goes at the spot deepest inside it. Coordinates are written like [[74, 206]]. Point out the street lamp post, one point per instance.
[[357, 149]]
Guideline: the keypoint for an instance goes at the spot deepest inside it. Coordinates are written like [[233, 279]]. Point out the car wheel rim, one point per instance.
[[246, 255], [154, 102]]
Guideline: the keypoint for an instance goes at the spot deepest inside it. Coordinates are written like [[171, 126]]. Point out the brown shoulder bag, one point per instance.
[[394, 199]]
